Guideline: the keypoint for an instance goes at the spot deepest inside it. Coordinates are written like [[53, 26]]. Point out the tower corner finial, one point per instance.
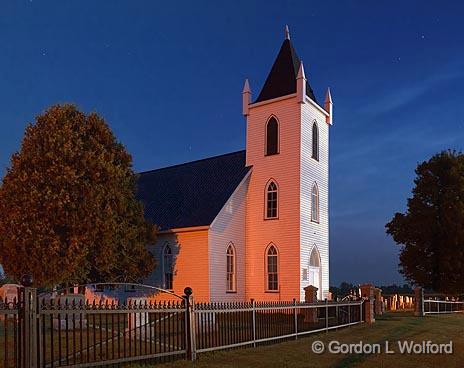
[[328, 96], [328, 106], [246, 86], [301, 72], [287, 33], [301, 84], [246, 98]]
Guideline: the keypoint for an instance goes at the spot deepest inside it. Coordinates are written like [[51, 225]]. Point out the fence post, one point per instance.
[[310, 314], [253, 302], [326, 315], [419, 309], [28, 304], [295, 316], [190, 324], [367, 292]]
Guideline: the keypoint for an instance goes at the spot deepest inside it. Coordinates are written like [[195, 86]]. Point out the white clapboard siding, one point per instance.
[[314, 234], [228, 227]]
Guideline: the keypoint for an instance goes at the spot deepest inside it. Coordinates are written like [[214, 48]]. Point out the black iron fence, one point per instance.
[[84, 334], [67, 331], [229, 325], [10, 338]]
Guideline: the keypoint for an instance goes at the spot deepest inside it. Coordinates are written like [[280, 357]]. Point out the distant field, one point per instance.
[[391, 327]]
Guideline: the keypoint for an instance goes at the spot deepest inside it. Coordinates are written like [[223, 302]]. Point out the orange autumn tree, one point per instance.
[[68, 211]]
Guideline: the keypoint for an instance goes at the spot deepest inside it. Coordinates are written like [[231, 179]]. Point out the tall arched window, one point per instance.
[[231, 276], [315, 154], [272, 268], [272, 137], [315, 203], [271, 200], [168, 267]]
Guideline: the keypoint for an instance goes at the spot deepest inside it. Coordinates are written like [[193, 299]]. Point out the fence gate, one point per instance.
[[66, 330]]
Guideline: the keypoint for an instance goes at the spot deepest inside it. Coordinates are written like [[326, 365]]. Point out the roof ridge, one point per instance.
[[190, 162]]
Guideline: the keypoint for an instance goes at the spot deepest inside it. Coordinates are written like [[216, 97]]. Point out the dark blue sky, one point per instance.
[[168, 80]]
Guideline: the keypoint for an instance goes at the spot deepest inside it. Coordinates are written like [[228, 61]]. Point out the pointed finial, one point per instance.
[[287, 33], [301, 84], [246, 98], [301, 72], [328, 96], [246, 86], [328, 106]]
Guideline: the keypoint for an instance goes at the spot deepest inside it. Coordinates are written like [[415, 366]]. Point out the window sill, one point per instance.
[[272, 291], [231, 292], [270, 218], [270, 154]]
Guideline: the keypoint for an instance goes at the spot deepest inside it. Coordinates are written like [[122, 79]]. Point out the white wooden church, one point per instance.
[[253, 223]]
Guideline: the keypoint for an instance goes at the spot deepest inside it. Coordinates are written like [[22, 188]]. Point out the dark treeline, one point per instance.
[[346, 288]]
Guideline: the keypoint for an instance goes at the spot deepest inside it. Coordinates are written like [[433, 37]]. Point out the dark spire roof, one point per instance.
[[190, 194], [281, 81]]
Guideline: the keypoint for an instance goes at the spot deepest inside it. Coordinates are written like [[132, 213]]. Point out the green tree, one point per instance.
[[68, 212], [431, 231]]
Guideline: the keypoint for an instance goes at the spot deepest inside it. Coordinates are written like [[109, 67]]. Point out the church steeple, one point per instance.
[[281, 80]]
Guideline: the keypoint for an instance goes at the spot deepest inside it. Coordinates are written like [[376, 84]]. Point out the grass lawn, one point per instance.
[[392, 327]]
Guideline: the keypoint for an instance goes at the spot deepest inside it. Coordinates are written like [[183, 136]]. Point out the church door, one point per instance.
[[314, 274]]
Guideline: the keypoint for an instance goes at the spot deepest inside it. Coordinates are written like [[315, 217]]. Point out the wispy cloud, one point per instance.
[[404, 137], [402, 95]]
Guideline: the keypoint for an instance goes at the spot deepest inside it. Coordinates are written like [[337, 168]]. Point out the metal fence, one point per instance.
[[434, 306], [84, 334], [10, 338], [230, 325], [38, 332]]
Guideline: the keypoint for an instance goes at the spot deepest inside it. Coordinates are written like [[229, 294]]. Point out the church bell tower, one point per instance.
[[287, 218]]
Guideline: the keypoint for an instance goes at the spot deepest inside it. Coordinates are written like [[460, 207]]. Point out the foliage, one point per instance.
[[396, 289], [68, 212], [431, 230]]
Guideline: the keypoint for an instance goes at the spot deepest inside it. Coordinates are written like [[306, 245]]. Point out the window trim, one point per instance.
[[272, 116], [266, 191], [234, 265], [266, 269], [167, 246], [315, 250], [318, 207], [318, 141], [319, 273]]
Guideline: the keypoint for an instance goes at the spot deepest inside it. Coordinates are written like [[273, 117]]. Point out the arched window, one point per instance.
[[271, 200], [315, 154], [231, 276], [315, 203], [272, 268], [168, 267], [272, 137]]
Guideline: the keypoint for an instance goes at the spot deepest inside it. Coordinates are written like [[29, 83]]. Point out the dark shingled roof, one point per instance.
[[190, 194], [281, 80]]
